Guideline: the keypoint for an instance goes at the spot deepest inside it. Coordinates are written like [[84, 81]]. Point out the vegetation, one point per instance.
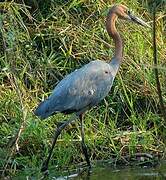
[[41, 42]]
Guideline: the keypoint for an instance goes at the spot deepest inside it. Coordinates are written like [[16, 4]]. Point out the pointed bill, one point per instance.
[[139, 21]]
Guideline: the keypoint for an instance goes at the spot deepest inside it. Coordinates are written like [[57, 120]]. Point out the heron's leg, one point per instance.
[[57, 133], [84, 147]]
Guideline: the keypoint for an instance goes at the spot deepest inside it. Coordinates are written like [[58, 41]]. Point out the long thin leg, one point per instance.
[[57, 133], [84, 147]]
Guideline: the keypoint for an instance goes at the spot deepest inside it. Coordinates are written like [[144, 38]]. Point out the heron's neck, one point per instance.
[[111, 29]]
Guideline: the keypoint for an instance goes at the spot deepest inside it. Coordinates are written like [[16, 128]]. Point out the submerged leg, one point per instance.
[[84, 147], [57, 133]]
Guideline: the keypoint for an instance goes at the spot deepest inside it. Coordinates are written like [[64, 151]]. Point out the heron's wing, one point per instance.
[[86, 86]]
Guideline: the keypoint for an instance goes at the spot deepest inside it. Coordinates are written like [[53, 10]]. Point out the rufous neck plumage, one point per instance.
[[111, 29]]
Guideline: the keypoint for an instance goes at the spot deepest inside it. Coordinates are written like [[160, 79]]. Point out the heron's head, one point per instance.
[[124, 13]]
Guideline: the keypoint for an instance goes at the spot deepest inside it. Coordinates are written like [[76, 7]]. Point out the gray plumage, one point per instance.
[[87, 86], [84, 87]]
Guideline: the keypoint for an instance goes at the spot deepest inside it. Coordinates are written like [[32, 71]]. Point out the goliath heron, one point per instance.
[[87, 86]]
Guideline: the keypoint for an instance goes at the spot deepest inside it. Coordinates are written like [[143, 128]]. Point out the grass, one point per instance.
[[41, 43]]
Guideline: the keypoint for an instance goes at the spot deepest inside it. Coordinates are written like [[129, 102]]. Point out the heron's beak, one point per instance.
[[138, 21]]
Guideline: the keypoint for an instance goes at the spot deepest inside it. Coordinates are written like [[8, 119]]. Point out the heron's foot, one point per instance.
[[89, 170], [45, 175], [44, 167], [86, 170], [89, 166], [85, 151]]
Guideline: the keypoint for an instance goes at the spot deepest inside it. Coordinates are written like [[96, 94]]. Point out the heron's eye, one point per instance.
[[128, 12]]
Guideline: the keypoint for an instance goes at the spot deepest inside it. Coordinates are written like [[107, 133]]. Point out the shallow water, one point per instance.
[[103, 173], [124, 173]]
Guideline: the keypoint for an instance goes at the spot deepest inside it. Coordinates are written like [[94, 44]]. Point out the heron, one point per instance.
[[84, 88]]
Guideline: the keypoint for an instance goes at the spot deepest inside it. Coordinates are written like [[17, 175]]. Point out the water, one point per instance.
[[102, 172], [121, 173]]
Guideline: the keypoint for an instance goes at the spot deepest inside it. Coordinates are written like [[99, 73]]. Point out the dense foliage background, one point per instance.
[[41, 42]]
